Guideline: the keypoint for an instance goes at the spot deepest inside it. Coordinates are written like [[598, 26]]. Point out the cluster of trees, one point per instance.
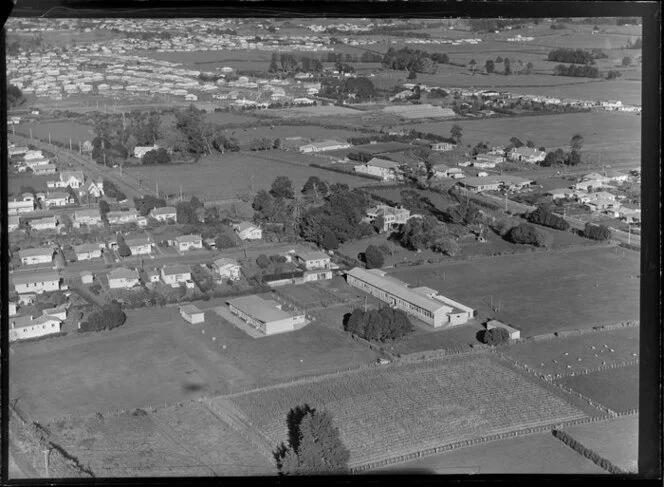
[[559, 156], [145, 204], [596, 232], [338, 219], [527, 234], [15, 96], [157, 156], [289, 63], [263, 261], [494, 336], [186, 211], [110, 316], [314, 445], [576, 71], [542, 216], [574, 56], [372, 257], [264, 143], [483, 25], [613, 74], [406, 59], [111, 190], [359, 89], [378, 325], [428, 233]]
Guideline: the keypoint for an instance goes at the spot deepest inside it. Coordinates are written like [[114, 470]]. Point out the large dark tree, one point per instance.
[[457, 133], [489, 66], [526, 234], [373, 257], [282, 187], [315, 446]]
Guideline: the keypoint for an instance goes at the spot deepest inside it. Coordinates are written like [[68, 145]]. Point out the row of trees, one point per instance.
[[574, 56], [542, 216], [406, 59], [358, 89], [577, 71], [378, 325]]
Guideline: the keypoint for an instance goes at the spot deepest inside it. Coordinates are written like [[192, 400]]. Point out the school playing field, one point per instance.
[[541, 292]]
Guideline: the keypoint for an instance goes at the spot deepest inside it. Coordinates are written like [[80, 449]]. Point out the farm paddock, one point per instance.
[[541, 292], [617, 389], [157, 358], [533, 454], [615, 440], [388, 411], [548, 356], [179, 440]]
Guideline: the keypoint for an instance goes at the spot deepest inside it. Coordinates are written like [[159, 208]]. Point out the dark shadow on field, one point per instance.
[[190, 387], [345, 320]]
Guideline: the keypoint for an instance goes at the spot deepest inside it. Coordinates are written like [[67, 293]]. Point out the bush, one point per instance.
[[526, 234], [373, 257], [494, 336], [378, 325], [263, 261], [596, 232], [542, 216], [111, 316]]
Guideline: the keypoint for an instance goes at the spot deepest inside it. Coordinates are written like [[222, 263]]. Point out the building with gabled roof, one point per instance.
[[36, 256], [176, 274], [36, 283], [384, 169], [123, 278], [25, 327], [227, 268], [265, 315]]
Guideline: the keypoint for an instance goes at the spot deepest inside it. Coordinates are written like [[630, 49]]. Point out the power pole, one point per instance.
[[46, 462], [70, 143], [49, 138]]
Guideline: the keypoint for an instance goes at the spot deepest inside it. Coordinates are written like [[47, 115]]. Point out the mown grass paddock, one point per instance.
[[548, 356], [389, 411], [60, 131], [615, 440], [617, 389], [534, 454], [179, 440], [541, 292], [224, 176]]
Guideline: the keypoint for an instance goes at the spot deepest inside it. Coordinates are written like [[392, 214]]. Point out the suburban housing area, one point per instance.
[[248, 247]]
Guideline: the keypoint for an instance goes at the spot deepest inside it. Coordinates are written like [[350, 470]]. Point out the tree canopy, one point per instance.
[[378, 325]]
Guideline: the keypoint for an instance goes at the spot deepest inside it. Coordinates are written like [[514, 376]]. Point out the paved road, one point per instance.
[[123, 182]]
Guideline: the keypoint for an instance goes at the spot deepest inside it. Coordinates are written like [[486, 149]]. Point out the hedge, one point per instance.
[[586, 452], [343, 171]]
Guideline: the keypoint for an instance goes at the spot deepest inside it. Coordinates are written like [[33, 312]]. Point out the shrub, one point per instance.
[[526, 234], [373, 257], [378, 325], [542, 216], [494, 336], [596, 232], [111, 316], [263, 261]]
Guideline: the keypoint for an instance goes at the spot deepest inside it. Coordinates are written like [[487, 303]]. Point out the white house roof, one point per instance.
[[123, 273], [25, 278], [224, 261], [170, 270], [264, 310], [165, 210], [35, 252], [384, 163], [315, 255], [188, 238], [190, 309]]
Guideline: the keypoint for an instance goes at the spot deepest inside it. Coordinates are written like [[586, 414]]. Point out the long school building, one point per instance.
[[424, 303]]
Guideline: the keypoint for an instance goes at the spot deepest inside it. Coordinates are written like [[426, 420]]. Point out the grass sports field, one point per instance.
[[224, 176], [617, 389], [186, 440], [548, 356], [615, 440], [533, 454], [392, 410], [60, 131], [156, 358], [541, 292], [616, 136]]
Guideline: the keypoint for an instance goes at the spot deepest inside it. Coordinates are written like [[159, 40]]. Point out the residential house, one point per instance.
[[37, 283], [478, 185], [588, 184], [47, 223], [487, 157], [600, 201], [13, 308], [616, 176], [19, 206], [164, 214], [122, 217], [33, 155], [526, 154], [141, 150], [96, 189], [36, 256], [44, 170], [174, 275], [58, 312], [484, 164], [57, 198], [152, 276], [226, 268], [248, 231], [324, 145], [314, 260], [87, 251], [392, 216], [73, 179], [25, 327], [442, 146], [139, 246], [422, 302], [13, 222], [123, 278], [87, 277], [87, 217], [192, 314], [443, 171], [265, 315], [382, 168], [561, 193], [630, 215], [184, 243]]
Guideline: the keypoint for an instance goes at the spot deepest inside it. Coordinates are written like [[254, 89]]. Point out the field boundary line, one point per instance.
[[600, 368], [586, 452]]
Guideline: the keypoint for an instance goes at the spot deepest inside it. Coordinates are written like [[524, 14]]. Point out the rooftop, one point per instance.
[[123, 273], [314, 255], [35, 252], [384, 163], [188, 238], [190, 309], [170, 270], [165, 210], [264, 310], [25, 277]]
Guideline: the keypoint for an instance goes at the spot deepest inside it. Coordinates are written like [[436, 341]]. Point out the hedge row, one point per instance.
[[343, 171], [586, 452]]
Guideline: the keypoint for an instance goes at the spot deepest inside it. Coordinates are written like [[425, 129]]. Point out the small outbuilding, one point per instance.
[[192, 314], [513, 332]]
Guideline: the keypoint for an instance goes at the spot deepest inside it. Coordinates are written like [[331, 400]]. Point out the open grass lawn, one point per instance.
[[60, 131], [180, 440], [393, 410], [548, 356], [157, 358], [617, 389], [617, 136], [223, 118], [615, 440], [224, 176], [541, 292], [533, 454], [426, 338]]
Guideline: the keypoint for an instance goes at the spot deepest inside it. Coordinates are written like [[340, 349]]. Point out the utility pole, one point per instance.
[[180, 193], [46, 462], [365, 304], [70, 143], [49, 138]]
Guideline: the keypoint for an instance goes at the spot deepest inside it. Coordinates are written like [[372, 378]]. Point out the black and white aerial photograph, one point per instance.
[[314, 245]]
